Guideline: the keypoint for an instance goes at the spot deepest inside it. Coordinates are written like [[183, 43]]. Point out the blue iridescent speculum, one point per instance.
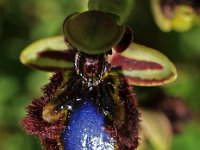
[[86, 129], [86, 106]]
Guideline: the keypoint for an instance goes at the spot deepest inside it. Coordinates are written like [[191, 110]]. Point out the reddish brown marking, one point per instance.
[[128, 63], [47, 68], [58, 55]]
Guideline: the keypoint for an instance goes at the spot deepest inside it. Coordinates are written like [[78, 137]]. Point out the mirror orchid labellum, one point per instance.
[[89, 103]]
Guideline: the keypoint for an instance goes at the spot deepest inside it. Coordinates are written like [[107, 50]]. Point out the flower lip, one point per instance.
[[93, 32]]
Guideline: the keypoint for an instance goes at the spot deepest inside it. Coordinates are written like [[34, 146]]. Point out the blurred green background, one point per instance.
[[22, 22]]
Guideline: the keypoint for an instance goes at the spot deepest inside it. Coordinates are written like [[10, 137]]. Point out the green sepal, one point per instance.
[[143, 66], [93, 32], [48, 54]]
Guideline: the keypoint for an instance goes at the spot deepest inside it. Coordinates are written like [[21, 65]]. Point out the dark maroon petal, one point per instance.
[[47, 68], [58, 55], [125, 41]]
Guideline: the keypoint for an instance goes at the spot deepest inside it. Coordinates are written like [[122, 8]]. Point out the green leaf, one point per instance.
[[189, 139], [143, 66], [49, 54], [121, 8]]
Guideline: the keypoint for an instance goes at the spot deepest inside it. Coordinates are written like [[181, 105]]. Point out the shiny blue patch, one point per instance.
[[85, 130]]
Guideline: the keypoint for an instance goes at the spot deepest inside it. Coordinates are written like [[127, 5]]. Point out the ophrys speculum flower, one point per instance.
[[178, 15], [89, 103]]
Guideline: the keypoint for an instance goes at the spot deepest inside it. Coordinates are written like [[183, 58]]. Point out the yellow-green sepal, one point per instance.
[[48, 54], [143, 66]]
